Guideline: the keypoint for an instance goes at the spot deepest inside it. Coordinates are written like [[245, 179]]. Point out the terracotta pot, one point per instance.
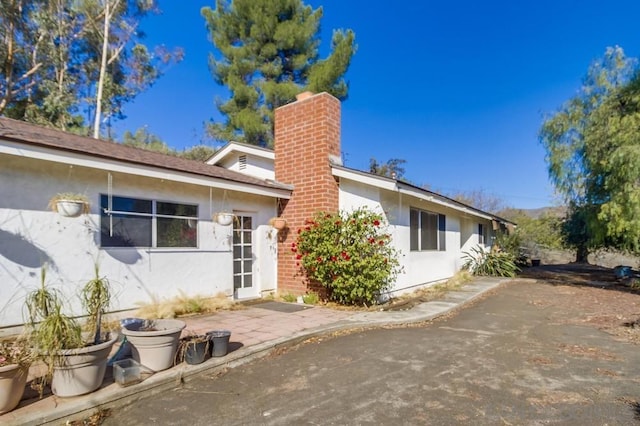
[[13, 378]]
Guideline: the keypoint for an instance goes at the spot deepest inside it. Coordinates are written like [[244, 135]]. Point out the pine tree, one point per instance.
[[268, 54]]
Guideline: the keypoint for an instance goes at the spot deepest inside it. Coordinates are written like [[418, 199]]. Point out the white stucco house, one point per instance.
[[150, 224]]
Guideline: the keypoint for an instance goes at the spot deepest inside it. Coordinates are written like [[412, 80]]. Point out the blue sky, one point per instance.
[[457, 88]]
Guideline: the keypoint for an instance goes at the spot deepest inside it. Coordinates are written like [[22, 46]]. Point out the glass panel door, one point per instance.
[[243, 285]]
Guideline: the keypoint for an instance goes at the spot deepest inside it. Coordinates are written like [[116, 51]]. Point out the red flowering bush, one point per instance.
[[349, 253]]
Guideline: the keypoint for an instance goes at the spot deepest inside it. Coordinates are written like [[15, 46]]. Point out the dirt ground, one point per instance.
[[604, 301]]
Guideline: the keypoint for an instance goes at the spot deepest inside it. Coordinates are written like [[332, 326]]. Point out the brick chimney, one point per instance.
[[307, 136]]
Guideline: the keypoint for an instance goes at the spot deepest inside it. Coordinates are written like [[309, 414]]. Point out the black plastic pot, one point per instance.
[[196, 352], [219, 342]]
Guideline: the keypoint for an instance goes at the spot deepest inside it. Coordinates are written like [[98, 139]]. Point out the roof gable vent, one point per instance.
[[242, 162]]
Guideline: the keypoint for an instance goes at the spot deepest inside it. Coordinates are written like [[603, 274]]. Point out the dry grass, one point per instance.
[[183, 304]]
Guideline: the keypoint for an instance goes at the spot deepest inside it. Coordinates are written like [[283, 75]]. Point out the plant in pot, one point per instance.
[[76, 366], [15, 359], [154, 343], [278, 223], [70, 204], [224, 218], [194, 349]]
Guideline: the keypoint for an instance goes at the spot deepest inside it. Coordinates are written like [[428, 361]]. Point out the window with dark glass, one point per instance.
[[133, 222], [427, 230]]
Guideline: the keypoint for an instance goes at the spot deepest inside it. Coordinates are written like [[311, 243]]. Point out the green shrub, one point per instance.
[[349, 253], [492, 263], [311, 298]]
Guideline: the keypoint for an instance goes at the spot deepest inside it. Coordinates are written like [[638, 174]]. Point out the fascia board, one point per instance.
[[365, 178], [392, 185], [436, 200], [232, 147]]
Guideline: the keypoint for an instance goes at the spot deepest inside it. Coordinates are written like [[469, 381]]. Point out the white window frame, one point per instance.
[[107, 212], [416, 234]]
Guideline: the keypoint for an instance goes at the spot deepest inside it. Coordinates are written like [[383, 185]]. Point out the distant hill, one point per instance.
[[558, 211]]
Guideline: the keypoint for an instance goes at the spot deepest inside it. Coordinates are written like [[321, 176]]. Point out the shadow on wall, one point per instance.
[[126, 255], [18, 250], [124, 252]]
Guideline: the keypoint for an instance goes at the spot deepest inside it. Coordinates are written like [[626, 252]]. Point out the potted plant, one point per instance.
[[70, 204], [76, 365], [15, 359], [224, 218], [278, 222], [154, 343], [194, 349]]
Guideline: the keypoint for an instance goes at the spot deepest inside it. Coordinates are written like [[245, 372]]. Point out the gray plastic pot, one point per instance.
[[196, 351], [80, 371], [219, 342], [154, 343]]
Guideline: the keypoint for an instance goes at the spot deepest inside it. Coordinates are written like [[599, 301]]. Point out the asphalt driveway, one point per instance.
[[509, 358]]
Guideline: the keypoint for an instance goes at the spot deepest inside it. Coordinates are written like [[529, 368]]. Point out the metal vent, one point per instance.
[[242, 160]]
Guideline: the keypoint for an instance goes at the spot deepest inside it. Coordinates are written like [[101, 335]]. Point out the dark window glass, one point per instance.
[[174, 209], [124, 204], [414, 229], [118, 230], [176, 233], [131, 223], [429, 223], [442, 232], [427, 231]]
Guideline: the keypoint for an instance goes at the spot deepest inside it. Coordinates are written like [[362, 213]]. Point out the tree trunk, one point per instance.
[[103, 71], [582, 254], [8, 71]]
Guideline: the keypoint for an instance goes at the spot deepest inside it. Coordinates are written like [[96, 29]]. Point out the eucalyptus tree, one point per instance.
[[123, 66], [267, 53], [18, 63], [63, 58]]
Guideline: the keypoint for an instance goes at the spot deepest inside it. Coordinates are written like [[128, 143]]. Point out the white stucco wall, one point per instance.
[[32, 235], [420, 267], [259, 167]]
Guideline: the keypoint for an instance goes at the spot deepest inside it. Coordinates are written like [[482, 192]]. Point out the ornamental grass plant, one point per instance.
[[493, 263]]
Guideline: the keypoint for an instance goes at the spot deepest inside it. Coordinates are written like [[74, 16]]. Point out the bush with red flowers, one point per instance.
[[349, 253]]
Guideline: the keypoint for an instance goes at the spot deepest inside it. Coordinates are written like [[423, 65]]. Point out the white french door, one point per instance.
[[244, 285]]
